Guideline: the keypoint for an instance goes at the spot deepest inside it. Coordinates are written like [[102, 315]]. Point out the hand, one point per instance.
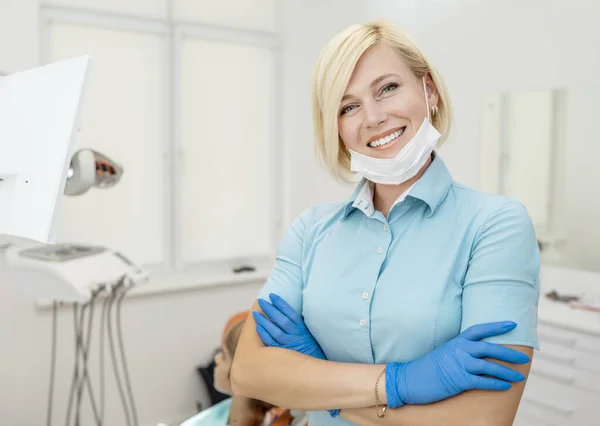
[[286, 328], [455, 367]]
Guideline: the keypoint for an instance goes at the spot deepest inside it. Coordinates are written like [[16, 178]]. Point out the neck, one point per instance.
[[385, 196]]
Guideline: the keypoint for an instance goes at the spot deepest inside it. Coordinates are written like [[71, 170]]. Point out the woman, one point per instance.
[[386, 306], [238, 410]]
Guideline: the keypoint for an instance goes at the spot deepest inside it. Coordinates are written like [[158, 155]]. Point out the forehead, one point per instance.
[[375, 62]]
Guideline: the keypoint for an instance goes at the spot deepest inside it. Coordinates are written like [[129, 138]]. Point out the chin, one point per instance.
[[223, 389], [220, 388]]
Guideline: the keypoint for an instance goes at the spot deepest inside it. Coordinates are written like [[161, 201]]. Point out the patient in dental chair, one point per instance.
[[239, 410]]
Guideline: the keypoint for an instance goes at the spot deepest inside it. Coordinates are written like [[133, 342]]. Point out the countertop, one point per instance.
[[568, 282]]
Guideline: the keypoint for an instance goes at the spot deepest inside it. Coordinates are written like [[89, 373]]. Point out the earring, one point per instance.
[[433, 109]]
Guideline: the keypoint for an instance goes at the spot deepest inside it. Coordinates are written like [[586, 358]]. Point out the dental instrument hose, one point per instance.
[[113, 295], [85, 341], [123, 357], [81, 376], [52, 363], [105, 304], [75, 377], [81, 381]]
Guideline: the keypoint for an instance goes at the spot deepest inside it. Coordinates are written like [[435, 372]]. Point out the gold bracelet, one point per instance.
[[384, 407]]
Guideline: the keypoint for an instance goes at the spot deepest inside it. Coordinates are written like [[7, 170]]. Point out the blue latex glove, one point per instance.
[[285, 328], [455, 367]]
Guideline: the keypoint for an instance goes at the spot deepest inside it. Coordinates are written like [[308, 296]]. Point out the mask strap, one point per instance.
[[426, 100]]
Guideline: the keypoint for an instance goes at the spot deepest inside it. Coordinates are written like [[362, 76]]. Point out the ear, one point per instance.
[[432, 92]]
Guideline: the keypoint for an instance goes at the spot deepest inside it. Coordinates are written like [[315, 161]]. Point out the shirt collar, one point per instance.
[[432, 188], [434, 185], [354, 202]]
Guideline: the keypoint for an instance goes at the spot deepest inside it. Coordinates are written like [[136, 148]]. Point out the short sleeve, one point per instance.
[[286, 279], [502, 279]]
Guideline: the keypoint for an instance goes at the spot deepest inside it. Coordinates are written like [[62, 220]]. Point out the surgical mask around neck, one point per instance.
[[407, 163]]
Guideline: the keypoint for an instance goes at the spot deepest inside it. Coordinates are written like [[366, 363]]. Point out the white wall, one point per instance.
[[18, 35], [309, 25], [484, 47], [166, 336], [582, 175]]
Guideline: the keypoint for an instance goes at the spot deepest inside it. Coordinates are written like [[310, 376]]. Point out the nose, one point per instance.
[[374, 115]]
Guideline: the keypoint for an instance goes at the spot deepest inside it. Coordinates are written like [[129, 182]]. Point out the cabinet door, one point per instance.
[[560, 404], [527, 416]]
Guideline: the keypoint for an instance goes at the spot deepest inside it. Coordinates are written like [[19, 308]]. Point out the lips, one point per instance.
[[386, 138]]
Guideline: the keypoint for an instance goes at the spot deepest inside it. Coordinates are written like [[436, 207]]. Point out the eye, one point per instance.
[[347, 109], [389, 88]]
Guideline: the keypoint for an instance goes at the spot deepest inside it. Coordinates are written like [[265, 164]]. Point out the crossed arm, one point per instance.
[[293, 380], [502, 271], [472, 408]]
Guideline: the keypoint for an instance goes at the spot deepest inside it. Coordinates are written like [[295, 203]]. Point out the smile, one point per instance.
[[387, 139]]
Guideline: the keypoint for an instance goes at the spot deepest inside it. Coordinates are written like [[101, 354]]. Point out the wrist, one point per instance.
[[395, 380], [381, 389]]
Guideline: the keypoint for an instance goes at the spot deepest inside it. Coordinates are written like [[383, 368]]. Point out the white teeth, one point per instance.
[[386, 139]]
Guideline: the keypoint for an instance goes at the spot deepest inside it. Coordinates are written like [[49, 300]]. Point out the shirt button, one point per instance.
[[386, 227], [365, 295], [380, 250], [363, 322]]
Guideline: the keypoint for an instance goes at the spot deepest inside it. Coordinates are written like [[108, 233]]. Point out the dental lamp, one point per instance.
[[89, 169], [75, 272], [39, 116]]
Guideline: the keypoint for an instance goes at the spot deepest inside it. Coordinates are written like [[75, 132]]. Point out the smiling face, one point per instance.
[[383, 105]]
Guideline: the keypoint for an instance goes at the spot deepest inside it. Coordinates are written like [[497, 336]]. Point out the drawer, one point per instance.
[[532, 415], [549, 334], [556, 373], [568, 339], [556, 353], [548, 401], [590, 344], [559, 404], [567, 376], [568, 366], [588, 362]]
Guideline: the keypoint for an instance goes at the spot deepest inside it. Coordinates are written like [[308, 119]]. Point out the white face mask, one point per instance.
[[408, 162]]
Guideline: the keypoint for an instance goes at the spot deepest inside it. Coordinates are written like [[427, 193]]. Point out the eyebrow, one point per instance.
[[373, 83]]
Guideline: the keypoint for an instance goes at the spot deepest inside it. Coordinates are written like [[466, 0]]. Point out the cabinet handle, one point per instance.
[[569, 380], [563, 341], [547, 406], [565, 360]]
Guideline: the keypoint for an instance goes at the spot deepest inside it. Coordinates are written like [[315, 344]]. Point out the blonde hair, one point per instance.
[[333, 72]]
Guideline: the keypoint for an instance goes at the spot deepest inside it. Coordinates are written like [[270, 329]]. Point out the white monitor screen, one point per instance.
[[39, 112]]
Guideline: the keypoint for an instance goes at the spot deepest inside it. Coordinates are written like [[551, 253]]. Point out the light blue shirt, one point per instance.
[[377, 290]]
